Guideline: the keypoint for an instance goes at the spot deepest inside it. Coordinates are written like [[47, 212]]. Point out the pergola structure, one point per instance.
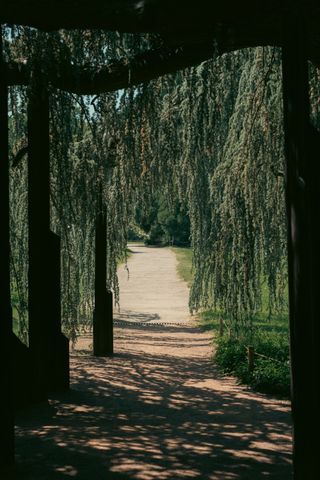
[[192, 32]]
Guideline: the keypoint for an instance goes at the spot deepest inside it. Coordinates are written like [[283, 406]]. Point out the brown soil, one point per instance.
[[158, 409]]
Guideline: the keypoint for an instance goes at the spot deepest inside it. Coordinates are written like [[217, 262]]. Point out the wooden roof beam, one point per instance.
[[161, 16], [116, 75]]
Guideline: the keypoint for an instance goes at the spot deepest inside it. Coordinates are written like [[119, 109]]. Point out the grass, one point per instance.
[[277, 323], [184, 267], [269, 336]]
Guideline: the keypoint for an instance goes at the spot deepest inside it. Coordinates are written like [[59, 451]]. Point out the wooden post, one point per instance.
[[103, 315], [303, 207], [58, 355], [48, 347], [250, 358], [39, 224], [6, 355], [221, 327]]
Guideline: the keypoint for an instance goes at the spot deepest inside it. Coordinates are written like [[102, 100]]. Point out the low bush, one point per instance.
[[269, 375], [229, 354]]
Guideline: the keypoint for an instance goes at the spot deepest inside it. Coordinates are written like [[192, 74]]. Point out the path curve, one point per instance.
[[158, 409]]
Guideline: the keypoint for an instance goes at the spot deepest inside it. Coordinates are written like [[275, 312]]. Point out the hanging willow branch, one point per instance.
[[185, 134]]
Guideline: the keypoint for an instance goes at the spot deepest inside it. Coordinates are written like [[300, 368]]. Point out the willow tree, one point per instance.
[[247, 239], [212, 135], [209, 135], [89, 164]]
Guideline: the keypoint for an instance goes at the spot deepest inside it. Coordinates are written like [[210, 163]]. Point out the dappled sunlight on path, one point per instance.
[[158, 409]]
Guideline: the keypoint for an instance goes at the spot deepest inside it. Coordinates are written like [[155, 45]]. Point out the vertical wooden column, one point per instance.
[[49, 349], [58, 354], [39, 224], [6, 355], [303, 206], [103, 314]]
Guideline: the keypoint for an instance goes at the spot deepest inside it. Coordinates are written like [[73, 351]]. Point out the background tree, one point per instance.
[[164, 222]]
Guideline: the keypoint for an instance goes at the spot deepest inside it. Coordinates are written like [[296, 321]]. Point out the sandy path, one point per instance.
[[152, 291], [158, 409]]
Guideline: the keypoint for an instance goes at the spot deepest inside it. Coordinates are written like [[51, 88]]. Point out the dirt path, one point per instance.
[[158, 409], [152, 291]]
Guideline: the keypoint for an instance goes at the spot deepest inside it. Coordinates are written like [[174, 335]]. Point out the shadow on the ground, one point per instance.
[[129, 316], [143, 416]]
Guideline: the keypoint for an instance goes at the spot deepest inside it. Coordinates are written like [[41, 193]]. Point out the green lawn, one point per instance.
[[277, 323], [184, 268]]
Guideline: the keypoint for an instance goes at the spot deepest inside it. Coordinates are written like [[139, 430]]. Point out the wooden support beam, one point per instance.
[[58, 354], [246, 23], [48, 347], [39, 225], [302, 144], [124, 73], [161, 16], [6, 354], [103, 312]]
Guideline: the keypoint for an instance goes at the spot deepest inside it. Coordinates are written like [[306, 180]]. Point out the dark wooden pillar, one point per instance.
[[6, 355], [39, 224], [58, 355], [103, 314], [303, 206], [48, 348]]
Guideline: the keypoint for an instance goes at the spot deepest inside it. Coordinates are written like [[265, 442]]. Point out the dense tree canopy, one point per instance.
[[209, 137]]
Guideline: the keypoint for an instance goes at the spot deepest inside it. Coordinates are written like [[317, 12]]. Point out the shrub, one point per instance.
[[229, 354], [272, 344], [269, 375]]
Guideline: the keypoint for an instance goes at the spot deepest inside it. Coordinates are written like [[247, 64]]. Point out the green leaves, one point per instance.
[[209, 138]]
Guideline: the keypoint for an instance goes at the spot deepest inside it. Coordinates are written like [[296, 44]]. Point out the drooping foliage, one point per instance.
[[219, 147], [90, 158], [208, 137], [18, 212]]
